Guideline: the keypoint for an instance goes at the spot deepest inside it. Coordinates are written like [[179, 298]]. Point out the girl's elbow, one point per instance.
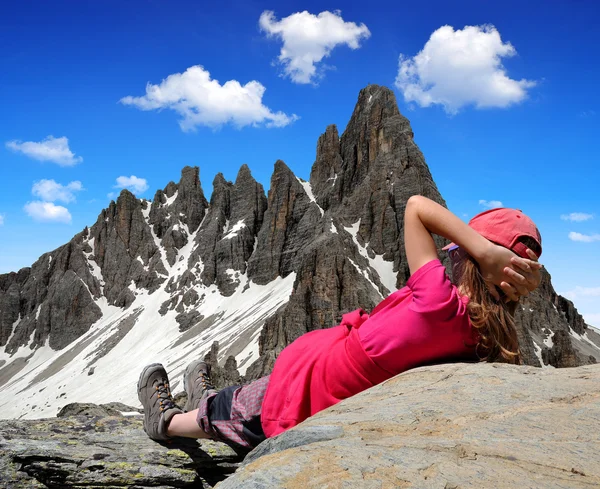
[[413, 203]]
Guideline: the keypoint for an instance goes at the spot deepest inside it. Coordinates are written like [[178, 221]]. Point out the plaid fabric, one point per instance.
[[233, 414]]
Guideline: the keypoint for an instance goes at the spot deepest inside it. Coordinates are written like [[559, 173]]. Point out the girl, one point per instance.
[[431, 320]]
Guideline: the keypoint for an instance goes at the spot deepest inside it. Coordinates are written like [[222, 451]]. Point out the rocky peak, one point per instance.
[[289, 225], [363, 138], [248, 201], [190, 201], [327, 169]]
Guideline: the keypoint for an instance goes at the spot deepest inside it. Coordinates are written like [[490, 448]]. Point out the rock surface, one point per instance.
[[448, 426], [105, 452]]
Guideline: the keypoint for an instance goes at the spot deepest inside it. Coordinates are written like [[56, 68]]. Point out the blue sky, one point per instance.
[[515, 123]]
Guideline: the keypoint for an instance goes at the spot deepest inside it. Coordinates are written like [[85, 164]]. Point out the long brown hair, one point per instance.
[[492, 320]]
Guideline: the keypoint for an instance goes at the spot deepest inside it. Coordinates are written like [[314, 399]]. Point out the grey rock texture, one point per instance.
[[447, 426], [53, 300], [102, 410], [109, 452], [289, 225], [549, 323]]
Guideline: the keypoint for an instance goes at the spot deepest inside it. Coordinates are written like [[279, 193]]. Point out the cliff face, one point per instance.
[[165, 279]]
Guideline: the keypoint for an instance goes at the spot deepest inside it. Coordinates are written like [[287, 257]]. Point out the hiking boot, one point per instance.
[[155, 395], [197, 384]]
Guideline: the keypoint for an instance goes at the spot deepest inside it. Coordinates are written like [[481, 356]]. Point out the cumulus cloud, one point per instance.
[[50, 191], [490, 204], [584, 238], [133, 183], [459, 68], [576, 217], [47, 212], [308, 38], [202, 101], [51, 149]]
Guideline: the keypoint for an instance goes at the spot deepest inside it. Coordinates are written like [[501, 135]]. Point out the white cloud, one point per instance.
[[490, 204], [51, 149], [584, 238], [133, 183], [576, 217], [579, 292], [458, 68], [201, 101], [308, 38], [47, 212], [50, 191]]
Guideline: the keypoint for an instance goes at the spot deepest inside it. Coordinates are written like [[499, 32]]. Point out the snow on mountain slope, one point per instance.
[[54, 378]]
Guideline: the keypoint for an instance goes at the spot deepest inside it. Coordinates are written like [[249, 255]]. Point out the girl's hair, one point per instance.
[[493, 320]]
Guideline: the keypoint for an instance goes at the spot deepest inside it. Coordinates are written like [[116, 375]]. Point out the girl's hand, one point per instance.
[[516, 276], [492, 266], [525, 276]]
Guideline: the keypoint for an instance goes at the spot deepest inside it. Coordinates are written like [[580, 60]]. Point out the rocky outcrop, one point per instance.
[[448, 426], [53, 300], [111, 452], [289, 225], [551, 331]]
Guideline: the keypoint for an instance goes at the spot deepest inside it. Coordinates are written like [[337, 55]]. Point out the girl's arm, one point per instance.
[[423, 217]]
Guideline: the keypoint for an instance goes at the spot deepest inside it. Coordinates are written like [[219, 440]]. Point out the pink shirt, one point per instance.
[[424, 322]]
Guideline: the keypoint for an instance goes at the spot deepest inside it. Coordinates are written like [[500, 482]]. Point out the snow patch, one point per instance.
[[308, 190], [548, 342], [384, 268], [582, 337], [171, 199], [234, 230], [538, 353]]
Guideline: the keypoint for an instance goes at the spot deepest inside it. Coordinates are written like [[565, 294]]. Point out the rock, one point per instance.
[[290, 223], [446, 426], [108, 452], [222, 376], [89, 409]]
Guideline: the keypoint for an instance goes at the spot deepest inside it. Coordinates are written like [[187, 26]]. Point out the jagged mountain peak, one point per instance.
[[244, 173]]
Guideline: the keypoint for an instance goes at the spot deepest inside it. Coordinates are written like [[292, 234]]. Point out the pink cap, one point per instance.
[[504, 227]]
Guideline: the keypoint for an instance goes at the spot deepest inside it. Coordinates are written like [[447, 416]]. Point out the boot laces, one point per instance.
[[206, 382], [165, 399]]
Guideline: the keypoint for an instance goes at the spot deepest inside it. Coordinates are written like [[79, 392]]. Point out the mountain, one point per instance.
[[241, 276]]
